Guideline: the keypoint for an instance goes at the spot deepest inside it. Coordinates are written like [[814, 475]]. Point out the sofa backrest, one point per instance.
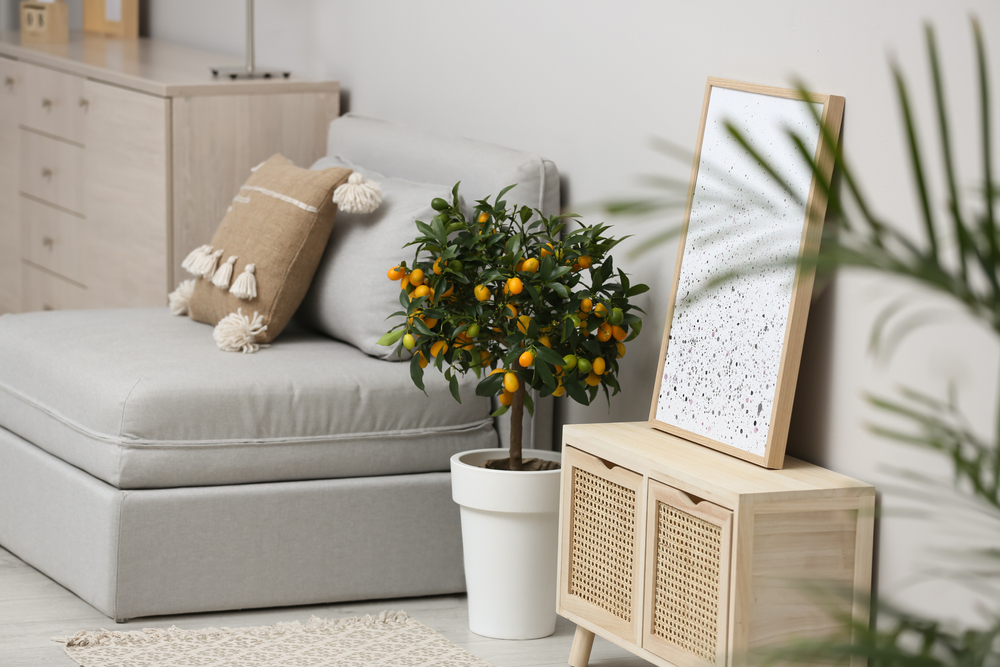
[[425, 157]]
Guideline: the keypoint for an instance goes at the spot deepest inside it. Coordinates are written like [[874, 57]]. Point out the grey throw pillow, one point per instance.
[[351, 295]]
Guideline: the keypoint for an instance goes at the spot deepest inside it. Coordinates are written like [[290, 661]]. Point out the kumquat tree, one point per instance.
[[517, 299]]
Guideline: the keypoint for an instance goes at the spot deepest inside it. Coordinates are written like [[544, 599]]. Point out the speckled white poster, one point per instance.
[[725, 341]]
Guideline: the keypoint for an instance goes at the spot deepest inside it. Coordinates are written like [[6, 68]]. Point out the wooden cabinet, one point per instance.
[[691, 558], [10, 226], [117, 157]]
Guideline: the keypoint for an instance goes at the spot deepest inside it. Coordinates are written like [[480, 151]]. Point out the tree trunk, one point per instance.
[[516, 418]]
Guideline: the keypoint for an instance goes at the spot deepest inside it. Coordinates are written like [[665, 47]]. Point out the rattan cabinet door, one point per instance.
[[686, 607], [600, 578]]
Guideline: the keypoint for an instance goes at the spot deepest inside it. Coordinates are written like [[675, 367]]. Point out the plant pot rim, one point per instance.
[[491, 453]]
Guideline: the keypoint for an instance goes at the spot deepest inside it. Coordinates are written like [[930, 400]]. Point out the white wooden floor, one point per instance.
[[33, 609]]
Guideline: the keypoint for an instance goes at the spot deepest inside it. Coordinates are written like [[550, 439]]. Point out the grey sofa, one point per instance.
[[150, 473]]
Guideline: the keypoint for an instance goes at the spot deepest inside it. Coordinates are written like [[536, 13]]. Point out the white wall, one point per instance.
[[587, 83]]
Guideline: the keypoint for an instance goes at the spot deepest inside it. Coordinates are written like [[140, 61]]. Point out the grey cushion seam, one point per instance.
[[121, 424], [133, 442]]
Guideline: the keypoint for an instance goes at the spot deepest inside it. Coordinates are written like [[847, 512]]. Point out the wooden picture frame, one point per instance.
[[114, 18], [730, 353]]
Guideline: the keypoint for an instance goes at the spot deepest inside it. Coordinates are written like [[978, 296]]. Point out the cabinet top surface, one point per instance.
[[149, 65], [639, 447]]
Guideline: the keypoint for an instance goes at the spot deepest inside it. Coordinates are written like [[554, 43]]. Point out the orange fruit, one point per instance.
[[513, 286], [431, 322], [422, 360], [544, 340], [593, 379], [598, 365], [396, 273], [560, 390], [522, 324], [576, 267], [604, 332], [506, 398], [484, 358], [546, 250], [448, 292], [526, 359], [519, 266], [530, 265], [404, 282], [423, 290], [437, 266], [483, 217], [439, 347], [621, 349], [586, 305], [585, 261], [601, 310], [497, 370], [416, 277], [482, 292], [619, 333], [510, 310], [510, 382]]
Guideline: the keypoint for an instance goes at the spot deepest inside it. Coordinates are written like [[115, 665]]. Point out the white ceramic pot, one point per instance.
[[510, 534]]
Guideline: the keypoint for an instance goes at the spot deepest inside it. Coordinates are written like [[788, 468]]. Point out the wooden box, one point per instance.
[[691, 558], [115, 18], [44, 23]]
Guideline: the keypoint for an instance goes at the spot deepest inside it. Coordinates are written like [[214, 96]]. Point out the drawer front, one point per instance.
[[600, 576], [44, 291], [53, 102], [52, 171], [53, 239], [688, 550]]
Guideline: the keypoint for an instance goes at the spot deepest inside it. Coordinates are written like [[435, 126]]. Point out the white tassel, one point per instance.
[[238, 333], [245, 287], [194, 257], [181, 297], [205, 266], [225, 273], [358, 195]]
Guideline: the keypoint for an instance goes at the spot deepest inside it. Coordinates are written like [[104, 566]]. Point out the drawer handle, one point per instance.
[[46, 103], [46, 172], [46, 306], [84, 102], [9, 82], [48, 241]]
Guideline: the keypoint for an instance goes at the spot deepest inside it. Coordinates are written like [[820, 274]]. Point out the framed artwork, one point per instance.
[[740, 298]]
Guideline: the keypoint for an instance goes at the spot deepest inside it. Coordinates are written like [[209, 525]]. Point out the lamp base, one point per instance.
[[244, 73]]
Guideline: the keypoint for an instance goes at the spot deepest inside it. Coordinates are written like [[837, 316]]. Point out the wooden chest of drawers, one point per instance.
[[118, 157], [691, 558]]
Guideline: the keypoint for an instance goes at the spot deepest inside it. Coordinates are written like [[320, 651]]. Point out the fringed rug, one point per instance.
[[390, 639]]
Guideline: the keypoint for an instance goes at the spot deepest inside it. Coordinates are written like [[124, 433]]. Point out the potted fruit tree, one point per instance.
[[523, 303]]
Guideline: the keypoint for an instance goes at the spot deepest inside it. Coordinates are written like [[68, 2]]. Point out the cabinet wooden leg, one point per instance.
[[583, 641]]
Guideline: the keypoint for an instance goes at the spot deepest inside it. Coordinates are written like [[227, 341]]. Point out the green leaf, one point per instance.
[[503, 192], [453, 385], [545, 373], [549, 356], [502, 410], [417, 373], [636, 290], [529, 403], [489, 385], [391, 337], [560, 289], [575, 391], [636, 328]]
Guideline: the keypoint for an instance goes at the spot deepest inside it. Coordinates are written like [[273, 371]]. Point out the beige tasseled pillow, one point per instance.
[[262, 258]]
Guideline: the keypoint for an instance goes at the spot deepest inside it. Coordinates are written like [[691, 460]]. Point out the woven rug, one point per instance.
[[390, 639]]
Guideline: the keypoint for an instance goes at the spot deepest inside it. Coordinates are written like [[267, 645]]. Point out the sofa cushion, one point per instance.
[[351, 296], [272, 238], [142, 399]]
